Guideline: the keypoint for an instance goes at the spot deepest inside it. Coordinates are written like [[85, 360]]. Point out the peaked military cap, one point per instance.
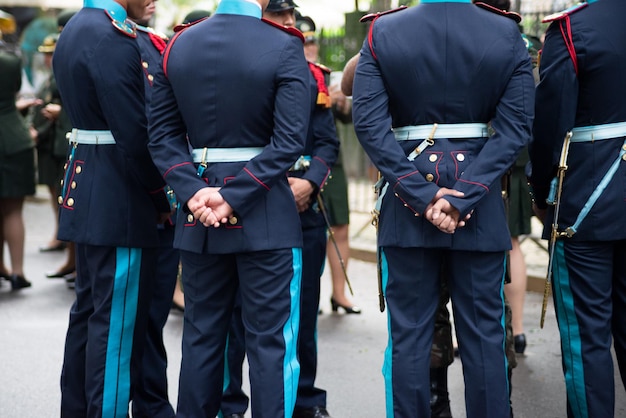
[[194, 15], [49, 43], [306, 25], [280, 5]]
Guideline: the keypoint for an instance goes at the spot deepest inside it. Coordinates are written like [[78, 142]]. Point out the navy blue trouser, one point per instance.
[[269, 282], [234, 400], [106, 330], [589, 281], [150, 397], [411, 287]]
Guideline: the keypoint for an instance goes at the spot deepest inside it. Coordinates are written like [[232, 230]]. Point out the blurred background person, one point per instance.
[[49, 126], [17, 160], [336, 197], [67, 270]]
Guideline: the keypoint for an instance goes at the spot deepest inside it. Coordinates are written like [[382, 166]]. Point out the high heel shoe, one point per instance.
[[18, 282], [347, 309]]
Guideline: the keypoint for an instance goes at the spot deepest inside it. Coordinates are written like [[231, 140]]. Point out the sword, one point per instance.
[[322, 207], [379, 190], [554, 234]]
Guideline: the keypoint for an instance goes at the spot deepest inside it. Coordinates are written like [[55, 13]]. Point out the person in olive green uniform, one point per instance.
[[17, 165], [50, 124], [67, 270]]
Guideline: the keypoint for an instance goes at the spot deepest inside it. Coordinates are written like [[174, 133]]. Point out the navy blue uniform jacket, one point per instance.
[[112, 193], [323, 146], [233, 81], [596, 96], [444, 63]]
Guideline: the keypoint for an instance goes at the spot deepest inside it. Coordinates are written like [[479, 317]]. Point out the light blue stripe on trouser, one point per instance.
[[291, 367], [388, 360], [116, 391], [503, 323], [571, 343], [82, 136], [220, 414]]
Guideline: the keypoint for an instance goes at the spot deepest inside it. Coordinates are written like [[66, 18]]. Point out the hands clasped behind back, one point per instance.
[[209, 207], [442, 214]]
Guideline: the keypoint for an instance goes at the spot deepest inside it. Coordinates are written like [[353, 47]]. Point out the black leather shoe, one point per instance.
[[347, 309], [18, 282], [315, 412], [60, 273], [58, 247], [519, 341], [234, 416]]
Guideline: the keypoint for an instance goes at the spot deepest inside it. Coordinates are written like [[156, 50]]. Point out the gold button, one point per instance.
[[62, 181], [60, 200], [73, 186], [65, 166], [70, 202], [432, 158], [460, 157], [233, 220], [624, 147], [150, 77], [145, 64], [624, 157], [396, 194], [429, 177], [79, 169], [190, 218]]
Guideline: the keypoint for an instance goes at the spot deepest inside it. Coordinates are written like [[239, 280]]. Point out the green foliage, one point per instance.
[[332, 51]]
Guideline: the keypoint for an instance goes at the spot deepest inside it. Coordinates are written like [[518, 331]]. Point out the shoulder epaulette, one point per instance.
[[126, 27], [292, 31], [511, 15], [183, 26], [168, 48], [564, 13], [324, 68], [373, 16]]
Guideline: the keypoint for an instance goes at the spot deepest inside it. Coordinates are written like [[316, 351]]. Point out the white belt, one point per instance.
[[598, 132], [450, 131], [81, 136], [225, 155]]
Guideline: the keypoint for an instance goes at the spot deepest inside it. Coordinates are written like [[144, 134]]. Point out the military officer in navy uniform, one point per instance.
[[582, 89], [112, 198], [238, 227], [150, 398], [306, 178], [421, 114]]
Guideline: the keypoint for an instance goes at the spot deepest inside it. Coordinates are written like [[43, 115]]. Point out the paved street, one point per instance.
[[33, 324]]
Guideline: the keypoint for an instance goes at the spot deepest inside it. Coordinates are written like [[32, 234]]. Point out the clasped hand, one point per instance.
[[442, 214], [209, 207]]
